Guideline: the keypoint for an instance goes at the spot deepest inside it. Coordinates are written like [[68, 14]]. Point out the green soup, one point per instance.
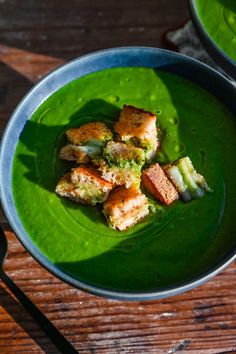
[[168, 247], [219, 19]]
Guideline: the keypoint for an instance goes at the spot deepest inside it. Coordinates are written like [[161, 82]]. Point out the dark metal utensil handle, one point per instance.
[[56, 337]]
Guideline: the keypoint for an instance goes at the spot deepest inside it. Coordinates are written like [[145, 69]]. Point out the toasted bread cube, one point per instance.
[[138, 127], [124, 207], [84, 185], [85, 142], [122, 163], [80, 154], [94, 133], [156, 182]]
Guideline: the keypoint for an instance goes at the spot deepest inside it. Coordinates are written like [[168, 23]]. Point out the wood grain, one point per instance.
[[199, 321], [68, 29], [33, 34], [33, 66]]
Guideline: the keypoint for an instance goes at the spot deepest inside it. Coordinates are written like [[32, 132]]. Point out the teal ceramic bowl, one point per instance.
[[164, 254], [217, 31]]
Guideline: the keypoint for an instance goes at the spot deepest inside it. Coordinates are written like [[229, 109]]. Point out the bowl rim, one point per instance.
[[24, 238], [216, 53]]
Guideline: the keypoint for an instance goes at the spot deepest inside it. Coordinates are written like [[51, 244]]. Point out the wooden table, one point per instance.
[[35, 37]]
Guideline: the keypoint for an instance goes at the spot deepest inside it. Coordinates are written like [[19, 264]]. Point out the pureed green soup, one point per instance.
[[167, 247], [219, 19]]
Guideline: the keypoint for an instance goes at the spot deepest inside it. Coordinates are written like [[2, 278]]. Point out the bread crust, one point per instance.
[[157, 183]]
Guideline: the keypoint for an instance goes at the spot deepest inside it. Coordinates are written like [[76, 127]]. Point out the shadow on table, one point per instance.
[[13, 87], [25, 321]]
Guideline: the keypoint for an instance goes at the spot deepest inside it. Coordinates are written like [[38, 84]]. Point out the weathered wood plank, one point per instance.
[[40, 15], [202, 321], [44, 28], [33, 66]]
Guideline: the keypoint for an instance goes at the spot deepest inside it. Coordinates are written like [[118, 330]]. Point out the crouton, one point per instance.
[[138, 127], [84, 185], [80, 154], [122, 163], [186, 180], [156, 182], [95, 133], [125, 207], [85, 142]]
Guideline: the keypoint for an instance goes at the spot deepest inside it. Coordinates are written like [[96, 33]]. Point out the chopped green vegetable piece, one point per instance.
[[186, 180]]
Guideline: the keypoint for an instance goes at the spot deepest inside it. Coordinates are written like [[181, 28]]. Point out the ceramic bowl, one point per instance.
[[160, 59], [216, 53]]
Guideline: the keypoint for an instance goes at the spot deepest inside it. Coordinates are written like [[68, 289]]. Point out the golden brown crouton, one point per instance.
[[86, 142], [72, 152], [96, 132], [84, 185], [125, 207], [156, 182], [138, 127], [122, 163]]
